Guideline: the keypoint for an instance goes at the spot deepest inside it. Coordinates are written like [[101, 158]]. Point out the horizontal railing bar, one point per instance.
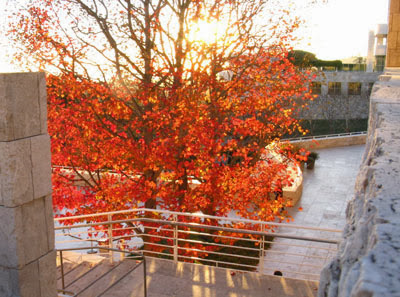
[[233, 230], [217, 244], [219, 262], [198, 215], [76, 240], [254, 232], [159, 244], [159, 253], [103, 248], [301, 246], [325, 136], [192, 225], [219, 236], [215, 235], [218, 253]]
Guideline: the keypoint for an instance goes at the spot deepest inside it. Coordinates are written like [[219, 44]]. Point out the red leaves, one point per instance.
[[153, 124]]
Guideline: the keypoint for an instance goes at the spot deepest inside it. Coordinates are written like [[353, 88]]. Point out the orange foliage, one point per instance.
[[141, 116]]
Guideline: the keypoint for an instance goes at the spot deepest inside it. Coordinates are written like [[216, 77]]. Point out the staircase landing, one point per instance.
[[167, 279]]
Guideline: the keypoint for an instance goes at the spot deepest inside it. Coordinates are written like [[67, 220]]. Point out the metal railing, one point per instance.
[[326, 136], [131, 255], [228, 242]]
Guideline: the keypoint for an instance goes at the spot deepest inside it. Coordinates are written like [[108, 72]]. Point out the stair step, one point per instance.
[[93, 274], [131, 285], [68, 266], [109, 279], [74, 273]]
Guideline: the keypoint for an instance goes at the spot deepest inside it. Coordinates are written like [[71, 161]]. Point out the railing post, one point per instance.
[[144, 277], [110, 236], [175, 239], [262, 243], [62, 270], [122, 247]]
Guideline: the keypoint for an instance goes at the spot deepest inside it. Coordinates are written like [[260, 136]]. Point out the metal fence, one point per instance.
[[228, 242]]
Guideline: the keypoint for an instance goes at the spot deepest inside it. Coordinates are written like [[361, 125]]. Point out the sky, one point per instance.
[[339, 29], [333, 29]]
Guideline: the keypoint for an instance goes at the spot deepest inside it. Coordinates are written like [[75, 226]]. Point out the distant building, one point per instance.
[[377, 42], [341, 95], [343, 92]]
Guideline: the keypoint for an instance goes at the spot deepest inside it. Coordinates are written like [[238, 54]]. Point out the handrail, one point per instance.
[[197, 215], [218, 228], [137, 256], [178, 236], [325, 136]]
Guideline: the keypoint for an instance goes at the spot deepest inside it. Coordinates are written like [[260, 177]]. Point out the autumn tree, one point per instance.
[[165, 103]]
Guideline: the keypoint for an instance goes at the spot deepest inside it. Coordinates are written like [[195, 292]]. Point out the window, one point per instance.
[[354, 88], [316, 87], [334, 88], [379, 63]]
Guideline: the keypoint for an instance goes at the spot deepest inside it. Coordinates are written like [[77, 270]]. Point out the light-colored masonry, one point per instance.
[[27, 255], [341, 95], [368, 262]]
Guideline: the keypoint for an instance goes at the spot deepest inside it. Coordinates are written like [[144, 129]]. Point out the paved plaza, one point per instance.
[[327, 189]]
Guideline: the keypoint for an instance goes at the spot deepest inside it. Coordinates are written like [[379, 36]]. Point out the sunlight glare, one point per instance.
[[207, 32]]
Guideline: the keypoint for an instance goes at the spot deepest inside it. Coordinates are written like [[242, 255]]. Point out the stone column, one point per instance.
[[27, 255], [393, 40]]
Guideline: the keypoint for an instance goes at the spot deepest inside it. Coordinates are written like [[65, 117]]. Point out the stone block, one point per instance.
[[393, 58], [47, 275], [395, 23], [26, 233], [11, 237], [394, 6], [41, 165], [42, 102], [392, 41], [20, 115], [20, 282], [29, 280], [49, 215], [35, 238], [15, 173]]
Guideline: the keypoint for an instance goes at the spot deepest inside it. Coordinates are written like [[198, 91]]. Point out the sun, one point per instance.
[[207, 32]]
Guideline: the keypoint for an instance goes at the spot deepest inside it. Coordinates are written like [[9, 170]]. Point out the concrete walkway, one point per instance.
[[326, 192], [328, 187]]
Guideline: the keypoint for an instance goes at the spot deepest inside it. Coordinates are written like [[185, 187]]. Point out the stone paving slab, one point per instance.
[[326, 191]]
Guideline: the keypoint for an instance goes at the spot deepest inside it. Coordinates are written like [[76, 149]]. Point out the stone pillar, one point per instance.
[[370, 56], [27, 255], [393, 40]]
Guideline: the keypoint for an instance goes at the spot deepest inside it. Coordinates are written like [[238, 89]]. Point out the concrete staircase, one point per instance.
[[92, 278]]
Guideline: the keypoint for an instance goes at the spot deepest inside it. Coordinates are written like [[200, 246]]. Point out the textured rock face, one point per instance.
[[368, 262]]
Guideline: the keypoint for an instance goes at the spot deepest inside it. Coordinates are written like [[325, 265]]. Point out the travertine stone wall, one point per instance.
[[343, 106], [368, 261], [27, 256], [393, 42]]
